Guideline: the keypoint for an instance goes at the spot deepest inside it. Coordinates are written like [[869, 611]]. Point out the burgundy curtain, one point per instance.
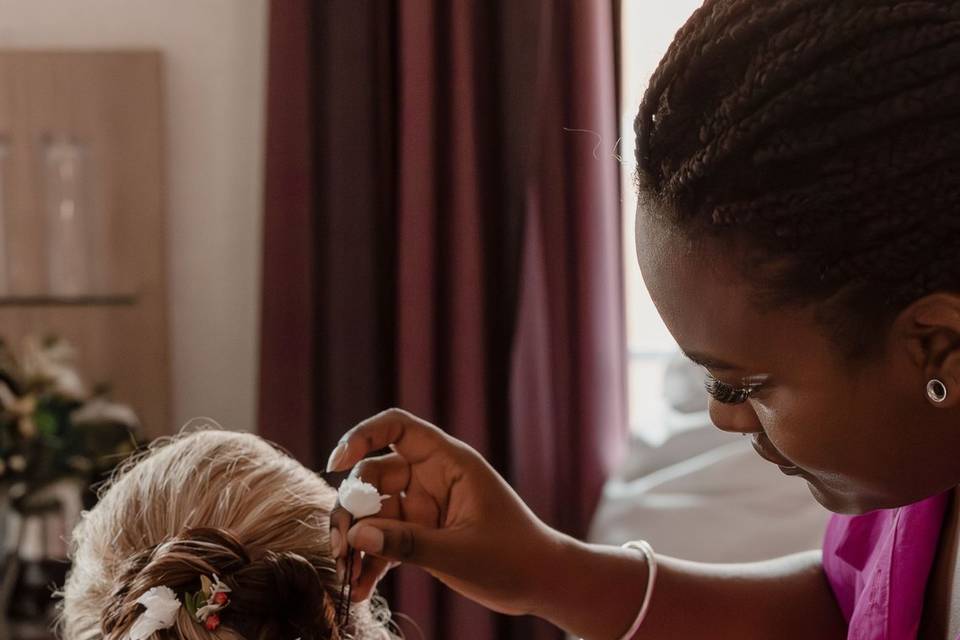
[[328, 319], [442, 233], [569, 355]]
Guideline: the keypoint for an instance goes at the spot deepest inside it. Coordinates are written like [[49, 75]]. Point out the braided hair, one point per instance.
[[824, 135]]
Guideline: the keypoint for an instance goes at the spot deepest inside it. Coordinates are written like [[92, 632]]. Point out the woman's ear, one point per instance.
[[931, 328]]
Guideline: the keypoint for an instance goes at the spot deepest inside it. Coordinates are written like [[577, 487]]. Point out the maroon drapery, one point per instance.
[[569, 357], [287, 320], [327, 319], [442, 236]]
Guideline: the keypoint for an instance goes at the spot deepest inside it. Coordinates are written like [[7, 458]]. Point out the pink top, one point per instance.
[[877, 565]]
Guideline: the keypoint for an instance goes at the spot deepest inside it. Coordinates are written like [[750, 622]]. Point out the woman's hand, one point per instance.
[[448, 512]]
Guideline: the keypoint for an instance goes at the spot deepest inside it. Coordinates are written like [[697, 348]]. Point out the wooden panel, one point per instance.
[[110, 103]]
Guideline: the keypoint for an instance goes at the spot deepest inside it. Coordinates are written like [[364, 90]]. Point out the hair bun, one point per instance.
[[289, 595], [178, 564], [276, 595]]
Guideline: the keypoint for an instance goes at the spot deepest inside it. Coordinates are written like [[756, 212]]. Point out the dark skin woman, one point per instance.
[[799, 232]]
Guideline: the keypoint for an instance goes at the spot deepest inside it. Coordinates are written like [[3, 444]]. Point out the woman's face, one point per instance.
[[863, 436]]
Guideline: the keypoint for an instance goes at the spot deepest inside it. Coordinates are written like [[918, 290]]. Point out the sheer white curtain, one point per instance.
[[647, 28]]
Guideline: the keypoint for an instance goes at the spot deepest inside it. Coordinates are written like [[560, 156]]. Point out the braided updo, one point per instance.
[[211, 503], [824, 135]]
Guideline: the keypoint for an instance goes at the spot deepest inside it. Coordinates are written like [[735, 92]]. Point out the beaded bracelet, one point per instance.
[[644, 546]]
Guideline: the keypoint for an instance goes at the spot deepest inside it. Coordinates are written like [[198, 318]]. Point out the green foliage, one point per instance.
[[193, 602]]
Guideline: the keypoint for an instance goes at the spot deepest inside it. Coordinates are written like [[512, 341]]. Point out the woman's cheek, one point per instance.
[[788, 427]]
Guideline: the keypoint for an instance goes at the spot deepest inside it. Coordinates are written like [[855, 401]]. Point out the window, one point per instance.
[[647, 28]]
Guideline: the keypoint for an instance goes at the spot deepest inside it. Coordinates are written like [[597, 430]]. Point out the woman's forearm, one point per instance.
[[591, 591], [595, 592], [786, 598]]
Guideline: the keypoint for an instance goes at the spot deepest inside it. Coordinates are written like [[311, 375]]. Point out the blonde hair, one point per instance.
[[203, 503]]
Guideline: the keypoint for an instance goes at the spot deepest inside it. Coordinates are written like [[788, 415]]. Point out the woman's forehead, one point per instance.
[[710, 307]]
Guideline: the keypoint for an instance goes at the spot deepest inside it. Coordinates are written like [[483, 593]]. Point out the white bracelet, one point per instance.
[[644, 546]]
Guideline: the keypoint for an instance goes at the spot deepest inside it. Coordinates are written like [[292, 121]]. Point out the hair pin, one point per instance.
[[360, 499]]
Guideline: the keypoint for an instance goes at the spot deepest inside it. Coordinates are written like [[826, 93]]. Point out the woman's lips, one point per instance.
[[767, 453]]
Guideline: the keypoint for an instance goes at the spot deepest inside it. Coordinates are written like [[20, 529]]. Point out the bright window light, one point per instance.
[[647, 28]]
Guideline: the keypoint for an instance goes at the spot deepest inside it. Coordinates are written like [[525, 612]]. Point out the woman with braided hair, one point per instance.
[[799, 232], [211, 535]]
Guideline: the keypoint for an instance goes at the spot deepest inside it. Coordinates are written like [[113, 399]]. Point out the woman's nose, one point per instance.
[[735, 418]]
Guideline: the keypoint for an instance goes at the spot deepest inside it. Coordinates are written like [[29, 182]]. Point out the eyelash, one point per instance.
[[727, 394]]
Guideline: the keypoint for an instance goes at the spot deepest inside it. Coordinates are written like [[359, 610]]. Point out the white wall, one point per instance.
[[215, 53]]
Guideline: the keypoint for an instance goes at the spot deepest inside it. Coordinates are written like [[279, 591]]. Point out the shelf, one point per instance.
[[118, 300]]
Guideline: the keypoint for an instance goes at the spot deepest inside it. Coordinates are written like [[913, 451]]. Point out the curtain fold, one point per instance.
[[287, 318], [450, 237], [327, 358], [569, 359]]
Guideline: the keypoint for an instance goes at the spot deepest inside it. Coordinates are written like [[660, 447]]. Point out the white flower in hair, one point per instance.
[[161, 612], [360, 498]]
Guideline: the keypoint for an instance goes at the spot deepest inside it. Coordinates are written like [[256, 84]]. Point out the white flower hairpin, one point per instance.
[[161, 613], [361, 499], [161, 606]]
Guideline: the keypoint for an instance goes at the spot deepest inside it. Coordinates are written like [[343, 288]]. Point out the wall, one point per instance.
[[215, 53]]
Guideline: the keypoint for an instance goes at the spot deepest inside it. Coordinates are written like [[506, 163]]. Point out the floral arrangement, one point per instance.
[[205, 605], [161, 606], [51, 425]]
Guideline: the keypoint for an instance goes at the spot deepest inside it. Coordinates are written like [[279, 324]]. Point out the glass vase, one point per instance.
[[67, 217]]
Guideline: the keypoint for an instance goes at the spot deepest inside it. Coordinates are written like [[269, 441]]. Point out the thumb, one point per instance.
[[399, 541]]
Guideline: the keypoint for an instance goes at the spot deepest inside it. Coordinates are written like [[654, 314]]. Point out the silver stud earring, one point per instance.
[[936, 391]]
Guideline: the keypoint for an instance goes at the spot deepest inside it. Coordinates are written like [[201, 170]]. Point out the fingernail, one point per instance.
[[341, 569], [336, 539], [337, 456], [366, 539]]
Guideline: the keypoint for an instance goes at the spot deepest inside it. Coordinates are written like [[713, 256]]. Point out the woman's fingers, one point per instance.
[[339, 525], [413, 438], [390, 474], [410, 543], [373, 571], [367, 570], [419, 508]]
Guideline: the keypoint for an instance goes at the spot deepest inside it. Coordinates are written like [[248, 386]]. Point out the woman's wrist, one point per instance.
[[591, 591]]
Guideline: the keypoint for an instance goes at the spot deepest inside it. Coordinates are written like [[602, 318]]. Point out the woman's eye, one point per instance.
[[725, 393]]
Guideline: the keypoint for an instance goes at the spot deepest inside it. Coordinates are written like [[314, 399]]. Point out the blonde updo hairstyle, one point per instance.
[[212, 502]]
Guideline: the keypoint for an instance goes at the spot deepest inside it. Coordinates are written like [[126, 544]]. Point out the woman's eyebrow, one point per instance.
[[710, 363]]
